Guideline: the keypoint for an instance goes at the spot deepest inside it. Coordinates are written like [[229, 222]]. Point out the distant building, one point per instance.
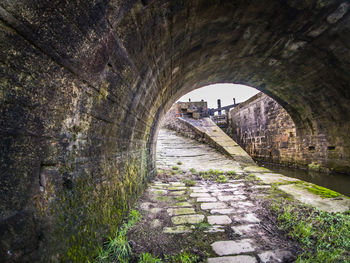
[[191, 109]]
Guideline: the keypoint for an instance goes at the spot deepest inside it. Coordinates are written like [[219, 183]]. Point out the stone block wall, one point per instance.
[[267, 132]]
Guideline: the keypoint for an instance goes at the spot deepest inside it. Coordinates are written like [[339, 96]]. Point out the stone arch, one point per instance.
[[83, 86]]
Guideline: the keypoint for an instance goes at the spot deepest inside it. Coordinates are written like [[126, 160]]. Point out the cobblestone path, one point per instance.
[[222, 217]]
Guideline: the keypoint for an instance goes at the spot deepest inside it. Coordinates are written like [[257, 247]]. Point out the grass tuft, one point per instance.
[[148, 258], [189, 182], [117, 248]]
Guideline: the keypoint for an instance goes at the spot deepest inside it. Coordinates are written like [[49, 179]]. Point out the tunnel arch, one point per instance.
[[83, 86]]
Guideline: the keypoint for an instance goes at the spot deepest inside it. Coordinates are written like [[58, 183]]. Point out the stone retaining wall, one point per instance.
[[267, 132]]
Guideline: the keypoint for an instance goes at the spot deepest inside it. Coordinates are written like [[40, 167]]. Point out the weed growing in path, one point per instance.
[[118, 249], [189, 182], [183, 257], [221, 179], [148, 258]]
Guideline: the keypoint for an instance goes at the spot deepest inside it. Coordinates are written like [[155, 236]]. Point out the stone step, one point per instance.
[[234, 259], [224, 248]]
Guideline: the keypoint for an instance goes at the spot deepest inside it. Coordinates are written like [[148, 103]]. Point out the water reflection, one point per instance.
[[337, 182]]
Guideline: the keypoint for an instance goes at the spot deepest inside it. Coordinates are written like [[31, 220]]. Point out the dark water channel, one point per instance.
[[336, 182]]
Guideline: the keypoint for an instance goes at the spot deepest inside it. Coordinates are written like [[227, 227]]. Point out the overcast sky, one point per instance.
[[225, 92]]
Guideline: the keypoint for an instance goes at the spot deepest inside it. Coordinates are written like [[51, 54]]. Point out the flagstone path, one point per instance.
[[224, 222]]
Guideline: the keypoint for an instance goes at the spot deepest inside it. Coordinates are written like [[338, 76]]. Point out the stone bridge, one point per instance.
[[84, 85]]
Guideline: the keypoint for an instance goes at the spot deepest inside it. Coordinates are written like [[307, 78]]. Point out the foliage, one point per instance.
[[179, 163], [175, 168], [183, 257], [324, 237], [202, 226], [221, 179], [148, 258], [231, 173], [192, 170], [205, 175], [118, 249], [189, 182]]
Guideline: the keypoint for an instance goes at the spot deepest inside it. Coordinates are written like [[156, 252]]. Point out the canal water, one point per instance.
[[336, 182]]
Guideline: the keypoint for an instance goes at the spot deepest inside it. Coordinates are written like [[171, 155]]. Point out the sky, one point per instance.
[[225, 92]]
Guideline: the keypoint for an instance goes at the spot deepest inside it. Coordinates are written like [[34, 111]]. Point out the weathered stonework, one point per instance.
[[84, 84], [267, 132]]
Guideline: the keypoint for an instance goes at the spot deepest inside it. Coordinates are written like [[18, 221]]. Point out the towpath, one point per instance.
[[205, 204]]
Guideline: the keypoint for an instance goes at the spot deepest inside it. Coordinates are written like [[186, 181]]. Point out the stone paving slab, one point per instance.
[[213, 205], [181, 204], [177, 229], [200, 191], [325, 204], [229, 189], [233, 259], [243, 229], [177, 183], [215, 229], [225, 198], [180, 211], [271, 178], [187, 219], [224, 248], [249, 217], [177, 188], [276, 256], [177, 192], [242, 204], [206, 199], [219, 220], [225, 211], [200, 195]]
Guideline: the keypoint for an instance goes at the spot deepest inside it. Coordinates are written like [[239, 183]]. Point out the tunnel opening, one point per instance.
[[261, 126]]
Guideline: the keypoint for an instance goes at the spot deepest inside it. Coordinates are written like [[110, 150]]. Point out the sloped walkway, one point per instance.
[[216, 136]]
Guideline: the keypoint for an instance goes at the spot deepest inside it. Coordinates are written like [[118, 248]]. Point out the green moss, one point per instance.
[[183, 257], [181, 198], [90, 210], [103, 92], [256, 169], [175, 168], [164, 198], [314, 166], [179, 163], [192, 170], [322, 191]]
